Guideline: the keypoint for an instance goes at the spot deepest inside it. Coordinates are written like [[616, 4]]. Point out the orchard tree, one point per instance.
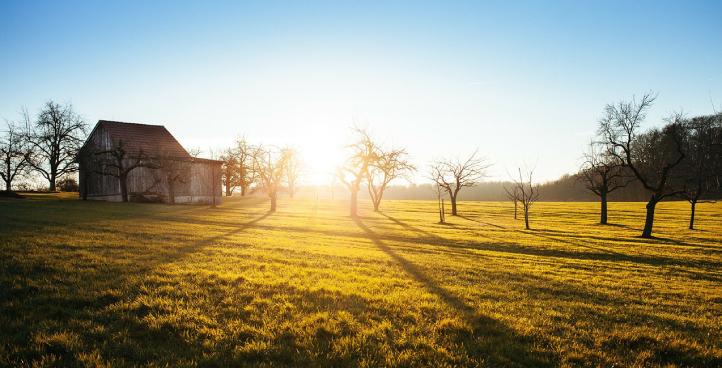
[[333, 185], [602, 174], [525, 191], [271, 168], [56, 136], [454, 174], [116, 162], [295, 168], [362, 153], [247, 158], [653, 157], [703, 165], [390, 164], [15, 153], [174, 170], [230, 170]]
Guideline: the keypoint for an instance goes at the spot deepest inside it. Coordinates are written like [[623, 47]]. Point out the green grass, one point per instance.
[[112, 284]]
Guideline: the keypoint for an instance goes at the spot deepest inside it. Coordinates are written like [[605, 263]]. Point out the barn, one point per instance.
[[144, 163]]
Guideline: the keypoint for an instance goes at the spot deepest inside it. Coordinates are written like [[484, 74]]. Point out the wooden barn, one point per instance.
[[144, 163]]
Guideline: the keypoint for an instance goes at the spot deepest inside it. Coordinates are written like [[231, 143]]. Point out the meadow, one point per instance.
[[129, 284]]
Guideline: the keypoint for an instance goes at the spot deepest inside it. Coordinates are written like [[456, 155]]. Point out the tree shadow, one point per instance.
[[482, 222], [488, 332], [412, 228]]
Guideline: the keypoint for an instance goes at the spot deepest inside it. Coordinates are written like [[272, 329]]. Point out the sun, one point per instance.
[[322, 155]]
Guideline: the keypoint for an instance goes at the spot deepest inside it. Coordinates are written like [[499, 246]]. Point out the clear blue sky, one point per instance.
[[522, 81]]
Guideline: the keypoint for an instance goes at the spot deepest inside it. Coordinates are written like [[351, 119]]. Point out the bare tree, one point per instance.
[[601, 174], [271, 169], [230, 170], [362, 153], [653, 157], [333, 185], [194, 152], [175, 170], [15, 153], [390, 164], [513, 194], [295, 167], [440, 202], [454, 174], [116, 162], [246, 155], [526, 191], [703, 165], [56, 137]]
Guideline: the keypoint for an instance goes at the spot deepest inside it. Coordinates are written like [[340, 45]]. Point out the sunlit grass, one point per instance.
[[95, 283]]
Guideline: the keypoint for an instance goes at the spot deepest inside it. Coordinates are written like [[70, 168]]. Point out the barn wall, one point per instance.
[[202, 179], [102, 187]]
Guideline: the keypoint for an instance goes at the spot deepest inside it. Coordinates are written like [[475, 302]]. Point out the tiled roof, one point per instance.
[[154, 140]]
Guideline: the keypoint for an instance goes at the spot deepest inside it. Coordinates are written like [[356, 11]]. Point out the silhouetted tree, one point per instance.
[[390, 164], [333, 185], [526, 191], [15, 153], [56, 136], [117, 163], [653, 157], [271, 169], [440, 201], [246, 155], [175, 170], [453, 174], [362, 153], [703, 164], [601, 174], [230, 170], [295, 167]]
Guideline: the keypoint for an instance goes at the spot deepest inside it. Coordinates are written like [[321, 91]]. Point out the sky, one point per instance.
[[522, 82]]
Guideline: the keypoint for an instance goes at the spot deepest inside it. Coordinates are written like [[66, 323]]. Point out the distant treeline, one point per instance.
[[564, 189]]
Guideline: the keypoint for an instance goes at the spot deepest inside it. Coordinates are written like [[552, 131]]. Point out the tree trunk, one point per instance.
[[354, 202], [603, 219], [273, 202], [7, 185], [376, 205], [526, 217], [171, 192], [443, 211], [441, 214], [516, 205], [453, 205], [52, 182], [228, 190], [123, 189], [691, 218], [243, 190], [649, 222]]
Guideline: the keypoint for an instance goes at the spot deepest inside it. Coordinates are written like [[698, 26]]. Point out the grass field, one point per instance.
[[112, 284]]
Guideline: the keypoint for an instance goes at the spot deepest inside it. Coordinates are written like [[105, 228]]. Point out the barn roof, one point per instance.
[[152, 139]]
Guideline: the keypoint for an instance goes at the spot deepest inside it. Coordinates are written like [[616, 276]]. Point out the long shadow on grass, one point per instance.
[[490, 339], [412, 228], [482, 222]]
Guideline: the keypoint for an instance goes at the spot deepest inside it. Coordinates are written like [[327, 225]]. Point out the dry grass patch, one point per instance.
[[94, 284]]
